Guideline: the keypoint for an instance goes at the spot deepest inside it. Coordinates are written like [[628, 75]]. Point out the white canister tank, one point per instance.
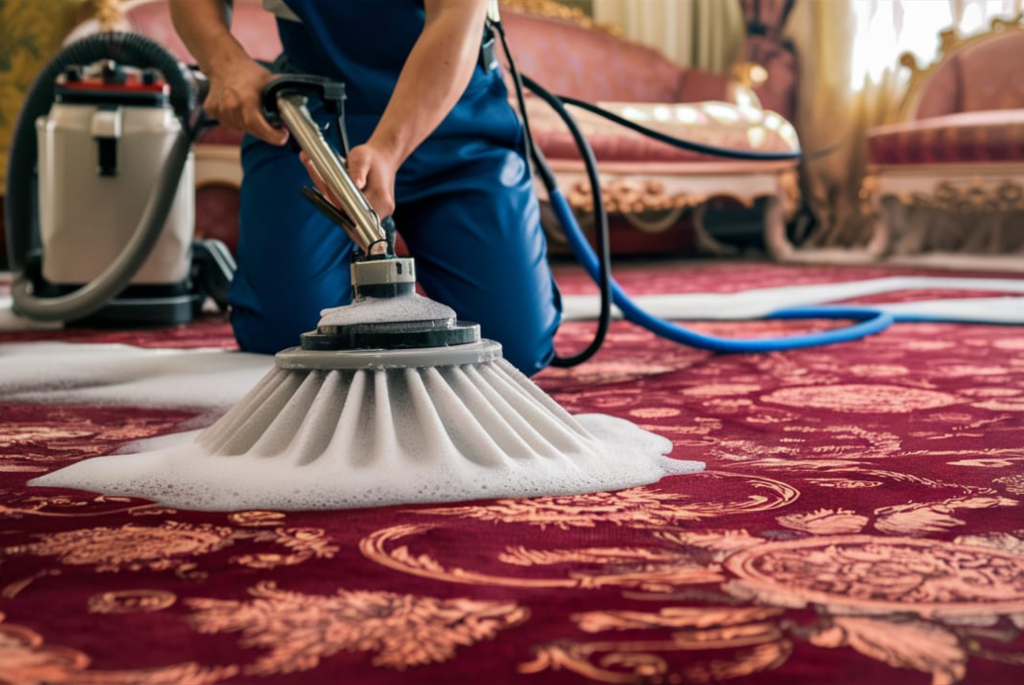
[[101, 149]]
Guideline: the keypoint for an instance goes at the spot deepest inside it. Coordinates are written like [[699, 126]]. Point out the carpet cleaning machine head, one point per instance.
[[390, 400], [100, 198], [386, 314]]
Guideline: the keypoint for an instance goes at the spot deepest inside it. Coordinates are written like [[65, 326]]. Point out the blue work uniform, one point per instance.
[[465, 202]]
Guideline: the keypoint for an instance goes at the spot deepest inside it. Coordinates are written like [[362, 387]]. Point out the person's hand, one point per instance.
[[372, 171], [234, 99]]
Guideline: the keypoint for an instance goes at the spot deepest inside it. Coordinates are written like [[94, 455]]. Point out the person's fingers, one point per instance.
[[358, 166], [380, 195], [259, 127]]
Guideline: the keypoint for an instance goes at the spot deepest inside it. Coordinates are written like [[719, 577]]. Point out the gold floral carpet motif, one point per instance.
[[861, 520]]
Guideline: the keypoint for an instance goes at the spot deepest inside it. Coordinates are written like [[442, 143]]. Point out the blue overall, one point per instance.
[[465, 203]]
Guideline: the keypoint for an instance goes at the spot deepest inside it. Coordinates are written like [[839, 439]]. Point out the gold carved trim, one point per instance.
[[951, 44], [628, 195], [976, 197], [640, 196], [789, 187], [109, 14], [749, 74], [868, 195], [554, 10]]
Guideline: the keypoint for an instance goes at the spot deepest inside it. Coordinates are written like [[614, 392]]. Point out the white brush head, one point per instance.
[[310, 438]]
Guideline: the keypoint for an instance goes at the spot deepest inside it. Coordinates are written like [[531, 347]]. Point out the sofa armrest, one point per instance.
[[570, 59], [251, 25], [697, 85]]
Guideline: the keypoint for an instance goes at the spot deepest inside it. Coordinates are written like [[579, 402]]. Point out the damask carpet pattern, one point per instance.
[[860, 520]]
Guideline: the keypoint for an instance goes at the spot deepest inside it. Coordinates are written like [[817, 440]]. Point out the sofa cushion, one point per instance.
[[712, 123], [571, 60], [954, 86], [992, 136], [252, 26]]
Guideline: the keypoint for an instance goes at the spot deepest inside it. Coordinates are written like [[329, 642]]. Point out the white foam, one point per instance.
[[762, 302], [411, 307], [122, 375], [333, 439]]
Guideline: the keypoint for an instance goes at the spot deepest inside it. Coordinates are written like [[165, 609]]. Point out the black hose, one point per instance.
[[125, 48], [681, 143], [603, 246], [601, 230]]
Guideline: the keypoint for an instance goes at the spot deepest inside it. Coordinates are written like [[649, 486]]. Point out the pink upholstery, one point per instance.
[[957, 85], [992, 77], [217, 209], [254, 28], [971, 110], [942, 94], [570, 60], [993, 136]]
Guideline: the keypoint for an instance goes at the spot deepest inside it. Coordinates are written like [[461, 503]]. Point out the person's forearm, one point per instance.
[[434, 77], [204, 27]]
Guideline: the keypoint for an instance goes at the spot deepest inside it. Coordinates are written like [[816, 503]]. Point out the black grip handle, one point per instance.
[[332, 93]]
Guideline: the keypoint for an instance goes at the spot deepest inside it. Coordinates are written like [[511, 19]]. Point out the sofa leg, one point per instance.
[[775, 239], [706, 243], [781, 249], [873, 208]]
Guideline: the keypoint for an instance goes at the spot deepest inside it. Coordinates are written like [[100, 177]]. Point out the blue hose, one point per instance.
[[870, 321]]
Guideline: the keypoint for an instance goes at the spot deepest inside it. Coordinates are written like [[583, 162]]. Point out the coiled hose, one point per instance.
[[131, 50], [598, 266]]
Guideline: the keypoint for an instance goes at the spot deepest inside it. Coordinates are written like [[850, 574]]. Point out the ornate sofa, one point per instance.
[[657, 195], [946, 183], [649, 186]]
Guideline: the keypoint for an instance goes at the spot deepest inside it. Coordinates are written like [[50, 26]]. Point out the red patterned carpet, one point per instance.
[[860, 520]]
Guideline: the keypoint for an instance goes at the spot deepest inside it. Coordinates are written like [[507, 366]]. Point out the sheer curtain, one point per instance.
[[697, 33], [851, 80]]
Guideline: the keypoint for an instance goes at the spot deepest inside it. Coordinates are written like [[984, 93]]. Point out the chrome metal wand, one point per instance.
[[365, 226]]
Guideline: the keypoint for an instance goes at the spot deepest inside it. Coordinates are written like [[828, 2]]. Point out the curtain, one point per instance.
[[850, 81], [705, 34], [765, 45]]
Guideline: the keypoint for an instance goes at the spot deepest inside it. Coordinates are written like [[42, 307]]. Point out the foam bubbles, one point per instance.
[[338, 439], [411, 307], [122, 375]]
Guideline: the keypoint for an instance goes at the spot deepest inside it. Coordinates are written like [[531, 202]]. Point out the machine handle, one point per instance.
[[290, 106], [332, 93]]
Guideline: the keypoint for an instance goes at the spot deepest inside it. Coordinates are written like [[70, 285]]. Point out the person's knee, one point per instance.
[[529, 358], [267, 332], [530, 346], [272, 326]]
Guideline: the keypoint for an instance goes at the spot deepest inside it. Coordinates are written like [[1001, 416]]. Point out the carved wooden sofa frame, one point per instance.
[[963, 188], [665, 193]]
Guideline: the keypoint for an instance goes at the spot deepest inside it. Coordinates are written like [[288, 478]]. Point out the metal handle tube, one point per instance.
[[367, 231]]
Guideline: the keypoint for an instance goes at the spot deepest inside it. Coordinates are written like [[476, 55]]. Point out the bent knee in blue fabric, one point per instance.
[[292, 262], [530, 351], [480, 249]]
